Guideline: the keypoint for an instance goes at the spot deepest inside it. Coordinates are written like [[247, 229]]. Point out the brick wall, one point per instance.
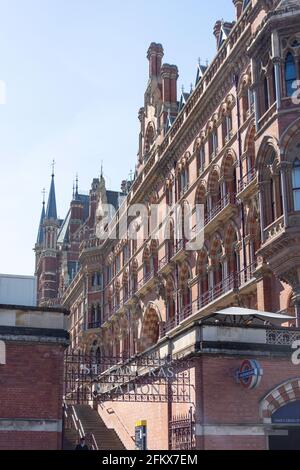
[[223, 403], [31, 388]]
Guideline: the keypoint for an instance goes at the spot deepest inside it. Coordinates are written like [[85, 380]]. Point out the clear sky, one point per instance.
[[75, 74]]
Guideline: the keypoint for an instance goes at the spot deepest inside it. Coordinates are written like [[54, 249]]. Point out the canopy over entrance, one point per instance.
[[245, 316]]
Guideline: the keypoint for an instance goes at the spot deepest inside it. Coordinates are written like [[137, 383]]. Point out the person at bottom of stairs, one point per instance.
[[82, 445]]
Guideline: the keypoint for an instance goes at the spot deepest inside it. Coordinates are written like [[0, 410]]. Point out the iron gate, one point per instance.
[[183, 432], [143, 379]]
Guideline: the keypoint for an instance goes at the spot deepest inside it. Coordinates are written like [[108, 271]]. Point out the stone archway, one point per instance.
[[280, 396], [150, 330]]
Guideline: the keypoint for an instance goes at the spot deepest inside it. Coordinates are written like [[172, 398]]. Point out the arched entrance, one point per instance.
[[150, 330], [286, 428], [281, 413]]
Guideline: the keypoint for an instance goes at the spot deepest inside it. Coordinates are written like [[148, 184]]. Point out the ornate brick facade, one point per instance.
[[232, 146]]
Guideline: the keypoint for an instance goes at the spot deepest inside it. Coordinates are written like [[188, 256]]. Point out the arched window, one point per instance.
[[296, 184], [201, 160], [290, 74], [213, 143], [226, 127]]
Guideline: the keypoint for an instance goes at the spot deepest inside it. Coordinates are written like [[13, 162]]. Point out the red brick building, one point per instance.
[[32, 346], [231, 146]]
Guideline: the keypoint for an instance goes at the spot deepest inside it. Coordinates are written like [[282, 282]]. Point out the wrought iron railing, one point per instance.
[[232, 282], [145, 279], [247, 179], [230, 198]]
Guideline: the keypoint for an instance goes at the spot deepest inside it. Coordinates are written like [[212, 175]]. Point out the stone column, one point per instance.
[[255, 92], [262, 209], [277, 62], [283, 171]]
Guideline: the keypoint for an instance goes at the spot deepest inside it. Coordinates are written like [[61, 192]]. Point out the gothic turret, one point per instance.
[[40, 236], [51, 212]]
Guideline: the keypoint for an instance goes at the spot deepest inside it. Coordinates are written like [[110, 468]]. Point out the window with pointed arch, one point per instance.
[[146, 262], [117, 296], [185, 290], [246, 102], [133, 277], [227, 127], [214, 192], [170, 241], [170, 300], [201, 160], [201, 206], [296, 184], [270, 176], [169, 193], [125, 287], [216, 257], [203, 280], [183, 180], [290, 71], [213, 143], [154, 256]]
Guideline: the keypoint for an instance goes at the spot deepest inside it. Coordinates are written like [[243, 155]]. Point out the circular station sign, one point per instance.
[[249, 374]]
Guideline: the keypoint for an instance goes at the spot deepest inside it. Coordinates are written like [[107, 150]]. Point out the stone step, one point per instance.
[[106, 439]]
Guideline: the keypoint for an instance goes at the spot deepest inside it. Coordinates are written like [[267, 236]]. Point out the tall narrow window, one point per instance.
[[213, 143], [266, 94], [201, 160], [296, 184], [290, 74], [273, 201]]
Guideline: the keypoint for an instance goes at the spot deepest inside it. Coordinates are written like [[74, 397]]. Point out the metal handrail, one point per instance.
[[76, 424]]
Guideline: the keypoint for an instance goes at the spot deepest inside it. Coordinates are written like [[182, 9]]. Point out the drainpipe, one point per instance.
[[240, 152]]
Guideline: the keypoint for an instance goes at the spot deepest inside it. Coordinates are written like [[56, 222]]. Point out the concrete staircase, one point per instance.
[[106, 439]]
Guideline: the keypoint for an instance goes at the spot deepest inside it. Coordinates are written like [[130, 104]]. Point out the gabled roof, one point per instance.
[[63, 235], [183, 99], [201, 69], [224, 33], [170, 120]]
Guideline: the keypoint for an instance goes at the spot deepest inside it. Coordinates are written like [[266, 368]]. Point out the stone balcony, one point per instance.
[[247, 186], [218, 296]]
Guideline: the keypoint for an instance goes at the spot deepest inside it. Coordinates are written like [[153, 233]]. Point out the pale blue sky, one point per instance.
[[75, 72]]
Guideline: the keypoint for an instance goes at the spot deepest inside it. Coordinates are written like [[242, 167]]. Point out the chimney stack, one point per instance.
[[239, 8], [169, 75], [217, 31], [155, 56]]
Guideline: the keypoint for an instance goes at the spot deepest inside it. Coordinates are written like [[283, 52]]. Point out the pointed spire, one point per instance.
[[40, 237], [76, 187], [51, 212]]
